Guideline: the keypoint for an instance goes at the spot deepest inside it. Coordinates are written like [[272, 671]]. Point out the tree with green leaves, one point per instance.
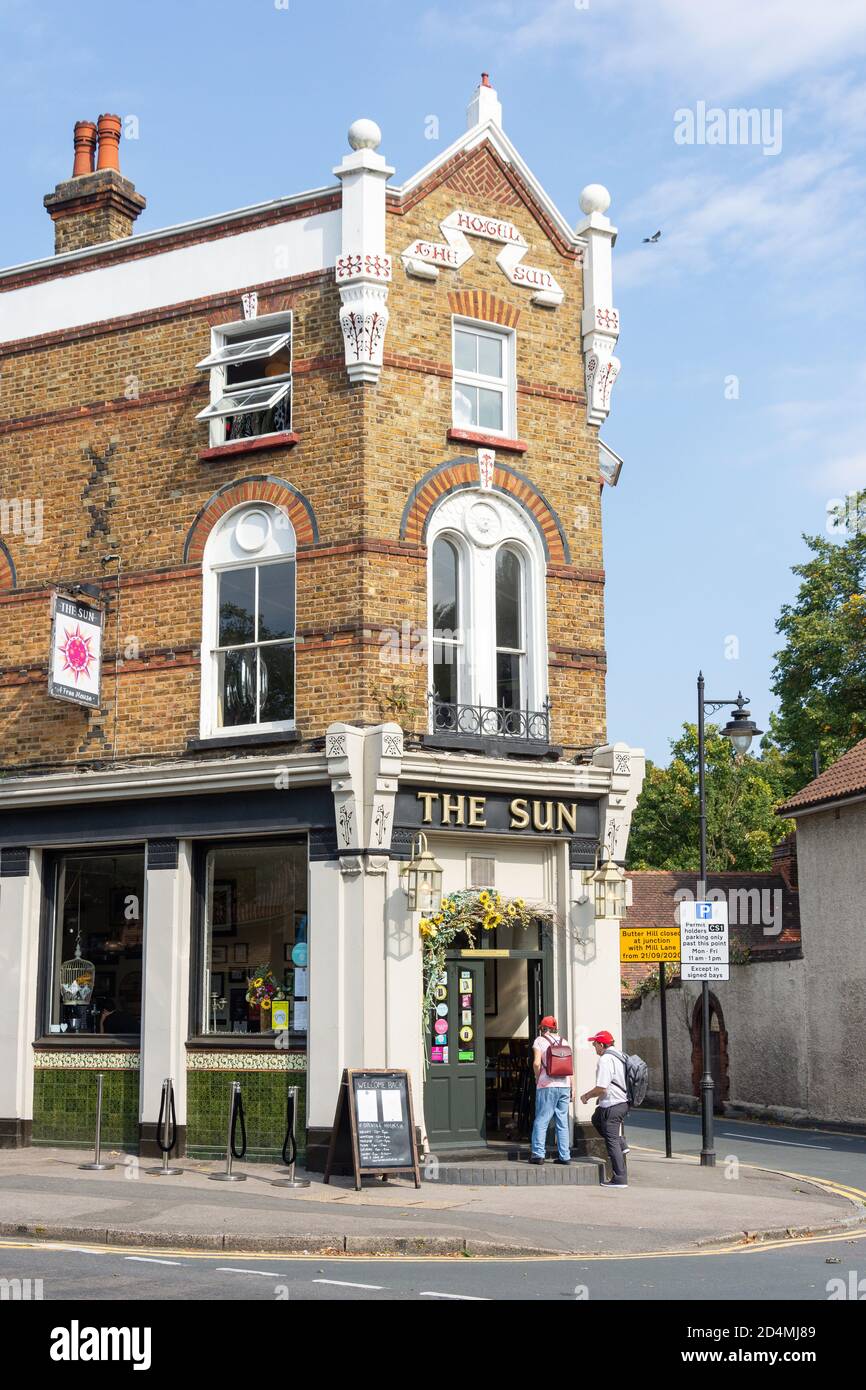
[[820, 674], [742, 793]]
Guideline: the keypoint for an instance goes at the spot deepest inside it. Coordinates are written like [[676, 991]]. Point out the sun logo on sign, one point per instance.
[[76, 653]]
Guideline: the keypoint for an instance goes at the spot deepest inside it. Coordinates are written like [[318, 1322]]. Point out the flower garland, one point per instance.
[[468, 911]]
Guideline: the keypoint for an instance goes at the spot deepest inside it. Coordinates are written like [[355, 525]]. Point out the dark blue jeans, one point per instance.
[[608, 1121]]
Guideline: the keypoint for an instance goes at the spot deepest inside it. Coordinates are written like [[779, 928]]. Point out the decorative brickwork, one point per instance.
[[463, 473], [262, 489], [480, 304]]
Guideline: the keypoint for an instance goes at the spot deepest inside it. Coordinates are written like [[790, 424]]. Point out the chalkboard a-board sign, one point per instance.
[[374, 1126]]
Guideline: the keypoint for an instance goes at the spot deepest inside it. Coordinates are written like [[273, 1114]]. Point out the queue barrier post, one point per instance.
[[97, 1166], [236, 1112], [166, 1131], [290, 1145]]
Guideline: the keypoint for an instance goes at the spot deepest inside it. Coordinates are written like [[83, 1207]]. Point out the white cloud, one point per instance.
[[717, 49]]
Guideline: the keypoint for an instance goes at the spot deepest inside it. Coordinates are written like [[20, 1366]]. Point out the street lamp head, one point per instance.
[[742, 728]]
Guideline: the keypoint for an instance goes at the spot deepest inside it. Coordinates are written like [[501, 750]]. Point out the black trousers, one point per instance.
[[608, 1120]]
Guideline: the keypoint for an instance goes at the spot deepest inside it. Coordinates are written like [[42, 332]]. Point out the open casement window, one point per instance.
[[250, 367], [483, 379], [487, 620], [248, 647]]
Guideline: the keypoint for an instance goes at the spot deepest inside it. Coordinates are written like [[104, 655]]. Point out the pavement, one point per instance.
[[670, 1204]]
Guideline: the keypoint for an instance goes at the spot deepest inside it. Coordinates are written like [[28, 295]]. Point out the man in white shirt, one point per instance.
[[611, 1094]]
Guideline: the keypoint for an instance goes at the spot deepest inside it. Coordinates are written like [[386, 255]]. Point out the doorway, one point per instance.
[[479, 1086]]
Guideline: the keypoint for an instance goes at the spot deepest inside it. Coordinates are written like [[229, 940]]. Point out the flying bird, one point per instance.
[[654, 238]]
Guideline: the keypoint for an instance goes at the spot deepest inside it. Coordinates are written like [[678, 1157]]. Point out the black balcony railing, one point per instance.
[[490, 721]]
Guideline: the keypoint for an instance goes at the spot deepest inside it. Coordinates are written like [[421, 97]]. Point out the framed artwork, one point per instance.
[[491, 989], [217, 983], [240, 952], [237, 977], [219, 955], [222, 908], [287, 950]]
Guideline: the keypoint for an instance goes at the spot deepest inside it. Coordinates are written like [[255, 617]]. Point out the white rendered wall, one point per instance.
[[20, 906]]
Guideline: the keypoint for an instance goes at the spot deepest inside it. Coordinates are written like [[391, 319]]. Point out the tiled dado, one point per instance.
[[246, 1061], [54, 1059], [264, 1091], [64, 1104]]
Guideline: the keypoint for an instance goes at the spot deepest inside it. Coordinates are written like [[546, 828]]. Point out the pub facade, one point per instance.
[[303, 503]]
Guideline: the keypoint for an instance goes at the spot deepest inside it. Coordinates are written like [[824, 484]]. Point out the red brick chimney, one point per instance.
[[95, 205], [785, 860]]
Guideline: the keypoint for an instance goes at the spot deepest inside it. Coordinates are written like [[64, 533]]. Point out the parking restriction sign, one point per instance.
[[704, 951]]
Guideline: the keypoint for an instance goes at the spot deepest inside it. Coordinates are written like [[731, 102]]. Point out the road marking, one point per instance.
[[151, 1260], [785, 1143], [233, 1269], [346, 1284], [456, 1297]]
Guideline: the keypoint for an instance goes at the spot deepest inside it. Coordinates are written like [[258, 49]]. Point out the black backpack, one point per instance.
[[636, 1077]]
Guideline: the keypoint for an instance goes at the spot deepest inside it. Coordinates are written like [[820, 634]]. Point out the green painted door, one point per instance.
[[454, 1086]]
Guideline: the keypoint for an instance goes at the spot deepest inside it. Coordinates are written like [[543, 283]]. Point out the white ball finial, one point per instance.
[[364, 135], [594, 198]]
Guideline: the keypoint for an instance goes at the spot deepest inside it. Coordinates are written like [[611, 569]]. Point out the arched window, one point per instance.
[[248, 628], [487, 619], [446, 636]]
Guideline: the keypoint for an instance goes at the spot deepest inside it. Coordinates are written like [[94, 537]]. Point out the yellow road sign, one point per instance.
[[648, 944]]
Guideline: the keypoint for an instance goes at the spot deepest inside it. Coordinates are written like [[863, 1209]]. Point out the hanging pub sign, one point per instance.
[[75, 662]]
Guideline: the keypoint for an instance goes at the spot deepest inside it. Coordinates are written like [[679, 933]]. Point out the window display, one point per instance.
[[255, 917], [96, 947]]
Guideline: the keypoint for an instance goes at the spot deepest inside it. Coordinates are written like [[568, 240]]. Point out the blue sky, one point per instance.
[[758, 276]]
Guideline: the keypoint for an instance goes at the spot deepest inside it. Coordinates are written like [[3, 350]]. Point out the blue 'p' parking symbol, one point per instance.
[[704, 910]]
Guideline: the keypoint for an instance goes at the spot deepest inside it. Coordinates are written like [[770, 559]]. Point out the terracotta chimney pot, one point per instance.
[[485, 79], [109, 142], [85, 148]]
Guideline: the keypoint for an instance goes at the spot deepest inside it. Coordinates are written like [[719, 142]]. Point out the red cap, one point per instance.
[[548, 1021], [603, 1037]]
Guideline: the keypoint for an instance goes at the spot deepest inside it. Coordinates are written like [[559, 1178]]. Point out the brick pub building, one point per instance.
[[329, 470]]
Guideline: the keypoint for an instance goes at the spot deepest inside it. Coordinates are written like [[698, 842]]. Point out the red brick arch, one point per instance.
[[263, 488], [7, 568], [460, 473]]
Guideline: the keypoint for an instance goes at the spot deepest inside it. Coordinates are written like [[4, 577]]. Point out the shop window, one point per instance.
[[95, 948], [483, 379], [254, 941], [487, 620], [248, 647], [250, 367]]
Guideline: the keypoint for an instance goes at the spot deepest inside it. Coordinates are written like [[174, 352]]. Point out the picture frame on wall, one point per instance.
[[240, 952], [217, 983], [237, 977], [222, 908], [219, 955]]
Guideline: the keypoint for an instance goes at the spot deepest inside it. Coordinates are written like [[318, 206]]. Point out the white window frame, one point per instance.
[[213, 564], [459, 645], [476, 680], [224, 335], [506, 385]]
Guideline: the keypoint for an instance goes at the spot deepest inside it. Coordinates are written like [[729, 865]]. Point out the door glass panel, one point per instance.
[[237, 607]]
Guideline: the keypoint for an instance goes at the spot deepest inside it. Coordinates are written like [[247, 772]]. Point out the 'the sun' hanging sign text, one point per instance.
[[425, 258], [76, 651]]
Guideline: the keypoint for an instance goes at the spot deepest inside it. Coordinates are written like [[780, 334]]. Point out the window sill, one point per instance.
[[285, 440], [488, 441], [199, 745], [121, 1042]]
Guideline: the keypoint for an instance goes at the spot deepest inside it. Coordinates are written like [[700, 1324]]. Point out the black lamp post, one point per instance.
[[740, 730]]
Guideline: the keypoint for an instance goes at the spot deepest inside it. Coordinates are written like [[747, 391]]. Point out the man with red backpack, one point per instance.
[[553, 1064]]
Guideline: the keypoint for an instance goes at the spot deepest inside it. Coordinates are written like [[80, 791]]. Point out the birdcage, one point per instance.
[[76, 978]]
